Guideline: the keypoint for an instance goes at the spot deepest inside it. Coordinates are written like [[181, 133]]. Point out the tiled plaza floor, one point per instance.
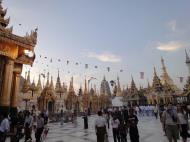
[[149, 129]]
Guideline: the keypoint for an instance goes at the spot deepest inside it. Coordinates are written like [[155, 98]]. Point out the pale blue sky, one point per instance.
[[128, 33]]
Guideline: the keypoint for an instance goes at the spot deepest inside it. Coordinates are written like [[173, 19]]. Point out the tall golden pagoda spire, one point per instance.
[[47, 83], [71, 87], [51, 84], [156, 85], [85, 87], [119, 92], [39, 85], [58, 83], [187, 61], [25, 86], [118, 85], [133, 88], [28, 78], [166, 79]]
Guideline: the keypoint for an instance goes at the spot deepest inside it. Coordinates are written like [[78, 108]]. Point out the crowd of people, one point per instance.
[[124, 120], [22, 125]]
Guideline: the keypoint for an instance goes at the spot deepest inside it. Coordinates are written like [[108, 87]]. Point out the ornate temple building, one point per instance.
[[14, 51], [167, 81], [159, 93], [105, 94], [71, 99], [94, 100], [105, 88], [131, 95], [85, 98], [47, 98]]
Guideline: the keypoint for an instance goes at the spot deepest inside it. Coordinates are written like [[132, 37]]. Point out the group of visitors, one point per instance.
[[23, 125], [122, 121], [175, 122]]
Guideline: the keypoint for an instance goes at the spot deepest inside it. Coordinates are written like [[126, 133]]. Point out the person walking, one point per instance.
[[123, 132], [170, 120], [156, 111], [4, 127], [85, 117], [40, 127], [132, 124], [28, 123], [107, 118], [115, 129], [183, 123], [100, 127]]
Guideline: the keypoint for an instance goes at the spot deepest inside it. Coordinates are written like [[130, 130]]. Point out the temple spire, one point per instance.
[[71, 87], [3, 22], [47, 83], [156, 84], [166, 79], [51, 84], [85, 87], [118, 85], [39, 84], [187, 57], [58, 83], [28, 78]]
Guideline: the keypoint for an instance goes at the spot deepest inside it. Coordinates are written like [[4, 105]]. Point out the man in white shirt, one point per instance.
[[115, 128], [100, 127], [4, 127]]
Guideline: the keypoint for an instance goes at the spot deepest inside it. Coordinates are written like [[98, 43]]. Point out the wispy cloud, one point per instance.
[[172, 25], [170, 46], [105, 57]]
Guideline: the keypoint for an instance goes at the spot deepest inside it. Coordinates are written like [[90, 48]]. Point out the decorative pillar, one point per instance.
[[14, 94], [6, 88]]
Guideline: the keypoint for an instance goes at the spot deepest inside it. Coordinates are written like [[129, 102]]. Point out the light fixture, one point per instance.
[[29, 53]]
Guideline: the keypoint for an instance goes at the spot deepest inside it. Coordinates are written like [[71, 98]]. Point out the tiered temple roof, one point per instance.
[[28, 41], [167, 81], [39, 85], [156, 84], [105, 88]]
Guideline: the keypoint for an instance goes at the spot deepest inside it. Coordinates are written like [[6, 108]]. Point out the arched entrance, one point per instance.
[[50, 106]]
